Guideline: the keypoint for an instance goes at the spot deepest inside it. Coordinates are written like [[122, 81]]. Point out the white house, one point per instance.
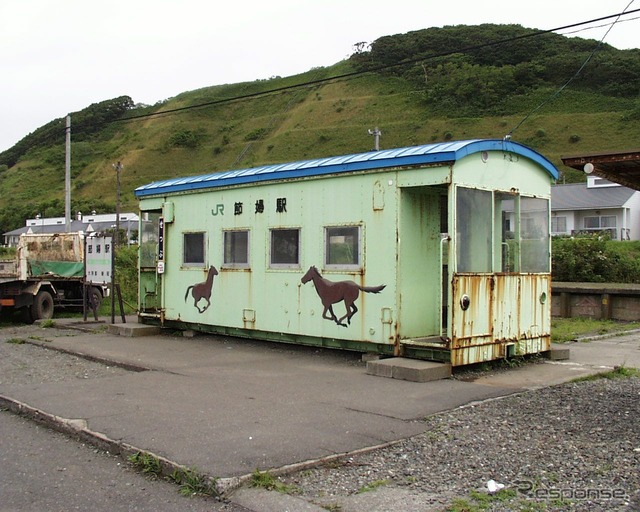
[[598, 205], [84, 223]]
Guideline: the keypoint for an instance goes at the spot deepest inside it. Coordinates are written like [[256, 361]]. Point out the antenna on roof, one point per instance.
[[376, 133]]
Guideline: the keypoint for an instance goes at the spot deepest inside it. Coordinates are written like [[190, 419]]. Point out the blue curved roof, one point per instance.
[[415, 155]]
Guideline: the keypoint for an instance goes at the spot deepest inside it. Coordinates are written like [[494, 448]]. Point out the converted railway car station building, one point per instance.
[[437, 252]]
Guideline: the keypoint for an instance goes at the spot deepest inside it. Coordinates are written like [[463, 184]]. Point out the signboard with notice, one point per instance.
[[98, 254]]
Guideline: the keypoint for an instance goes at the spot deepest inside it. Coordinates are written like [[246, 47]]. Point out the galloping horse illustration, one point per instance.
[[202, 290], [331, 292]]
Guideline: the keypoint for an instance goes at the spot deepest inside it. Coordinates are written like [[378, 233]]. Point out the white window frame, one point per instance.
[[226, 240], [326, 244], [288, 265], [554, 224], [194, 263]]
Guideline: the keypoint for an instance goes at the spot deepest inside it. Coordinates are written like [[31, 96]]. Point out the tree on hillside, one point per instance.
[[84, 123], [498, 61]]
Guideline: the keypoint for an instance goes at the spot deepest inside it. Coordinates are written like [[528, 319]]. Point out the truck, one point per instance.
[[48, 271]]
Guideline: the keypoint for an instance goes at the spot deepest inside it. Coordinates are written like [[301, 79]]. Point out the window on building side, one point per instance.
[[193, 249], [342, 246], [558, 224], [285, 248], [236, 249]]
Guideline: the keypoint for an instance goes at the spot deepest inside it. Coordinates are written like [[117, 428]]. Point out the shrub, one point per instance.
[[127, 272], [187, 138], [593, 258], [256, 134]]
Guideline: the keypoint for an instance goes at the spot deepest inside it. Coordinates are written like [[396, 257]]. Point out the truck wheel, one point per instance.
[[95, 296], [42, 308]]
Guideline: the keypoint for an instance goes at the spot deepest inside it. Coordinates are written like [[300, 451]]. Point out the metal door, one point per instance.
[[151, 262]]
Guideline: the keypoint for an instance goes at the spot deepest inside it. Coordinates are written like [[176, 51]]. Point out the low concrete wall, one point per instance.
[[602, 301]]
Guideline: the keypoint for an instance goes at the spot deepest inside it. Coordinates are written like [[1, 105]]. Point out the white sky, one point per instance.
[[59, 56]]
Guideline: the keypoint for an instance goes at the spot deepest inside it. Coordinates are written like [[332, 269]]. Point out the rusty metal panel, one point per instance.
[[494, 316], [506, 313], [535, 306], [55, 247], [472, 300], [8, 269]]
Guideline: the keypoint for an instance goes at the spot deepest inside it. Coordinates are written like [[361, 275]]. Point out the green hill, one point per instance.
[[426, 86]]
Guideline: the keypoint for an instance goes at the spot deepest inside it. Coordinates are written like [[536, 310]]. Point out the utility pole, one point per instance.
[[67, 176], [114, 242], [376, 134], [118, 167]]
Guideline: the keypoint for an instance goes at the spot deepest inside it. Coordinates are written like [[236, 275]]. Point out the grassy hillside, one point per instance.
[[306, 122]]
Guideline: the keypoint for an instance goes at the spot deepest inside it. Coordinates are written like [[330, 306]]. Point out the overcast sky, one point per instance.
[[59, 56]]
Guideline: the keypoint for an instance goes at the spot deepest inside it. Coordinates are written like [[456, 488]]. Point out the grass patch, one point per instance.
[[146, 463], [372, 486], [48, 323], [191, 481], [265, 480], [480, 501], [16, 341], [194, 483], [571, 329], [619, 372], [39, 338]]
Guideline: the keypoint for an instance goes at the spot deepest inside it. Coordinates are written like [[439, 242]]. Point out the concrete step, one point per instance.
[[413, 370], [133, 330]]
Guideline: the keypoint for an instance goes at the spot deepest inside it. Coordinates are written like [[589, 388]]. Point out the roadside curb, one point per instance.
[[95, 359], [225, 488], [603, 336], [77, 429]]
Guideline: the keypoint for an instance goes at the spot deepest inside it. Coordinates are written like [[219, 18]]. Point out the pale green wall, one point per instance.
[[502, 171], [280, 302], [399, 214], [419, 270]]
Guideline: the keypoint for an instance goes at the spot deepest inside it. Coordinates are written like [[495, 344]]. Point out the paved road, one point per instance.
[[228, 407], [42, 470]]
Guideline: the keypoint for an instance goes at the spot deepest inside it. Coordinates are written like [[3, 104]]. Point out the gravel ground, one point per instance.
[[569, 447], [23, 363], [41, 469]]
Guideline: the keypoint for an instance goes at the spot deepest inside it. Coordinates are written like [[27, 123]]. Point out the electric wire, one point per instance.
[[375, 69], [575, 75]]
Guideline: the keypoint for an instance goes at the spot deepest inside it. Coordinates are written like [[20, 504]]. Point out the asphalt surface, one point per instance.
[[43, 470], [228, 406]]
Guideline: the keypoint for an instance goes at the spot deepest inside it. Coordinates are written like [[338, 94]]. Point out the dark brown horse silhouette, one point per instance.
[[331, 292], [202, 290]]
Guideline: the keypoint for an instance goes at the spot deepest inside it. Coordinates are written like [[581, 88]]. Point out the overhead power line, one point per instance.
[[354, 74], [575, 75], [375, 69]]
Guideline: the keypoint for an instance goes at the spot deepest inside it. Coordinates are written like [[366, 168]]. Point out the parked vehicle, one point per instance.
[[48, 271]]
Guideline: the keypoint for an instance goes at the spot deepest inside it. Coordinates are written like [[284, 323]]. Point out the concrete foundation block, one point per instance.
[[133, 330], [413, 370], [558, 354]]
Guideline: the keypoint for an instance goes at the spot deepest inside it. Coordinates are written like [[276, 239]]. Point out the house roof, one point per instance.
[[440, 153], [75, 226], [620, 166], [576, 196]]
